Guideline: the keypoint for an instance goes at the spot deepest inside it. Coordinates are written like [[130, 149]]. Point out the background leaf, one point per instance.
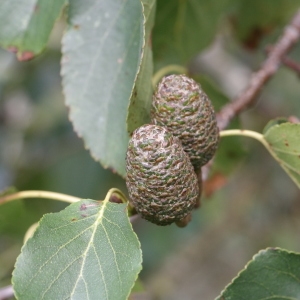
[[87, 251], [25, 26], [102, 50], [256, 19], [141, 98], [272, 274], [184, 28], [284, 145]]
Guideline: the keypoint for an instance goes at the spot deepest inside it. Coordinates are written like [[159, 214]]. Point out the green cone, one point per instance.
[[180, 105], [161, 181]]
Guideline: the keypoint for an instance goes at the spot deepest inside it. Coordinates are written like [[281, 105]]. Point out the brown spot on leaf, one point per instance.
[[286, 143], [36, 8], [84, 216], [76, 26], [74, 219], [26, 55], [83, 206], [115, 199], [112, 170]]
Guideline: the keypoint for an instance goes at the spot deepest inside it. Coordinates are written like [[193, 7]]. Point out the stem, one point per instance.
[[270, 66], [249, 133], [30, 231], [170, 69], [118, 192], [110, 197], [39, 194], [6, 292]]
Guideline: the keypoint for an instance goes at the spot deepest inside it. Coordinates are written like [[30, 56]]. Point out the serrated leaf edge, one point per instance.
[[277, 249], [104, 203], [269, 148]]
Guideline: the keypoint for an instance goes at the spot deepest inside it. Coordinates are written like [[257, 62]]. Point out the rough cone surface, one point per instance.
[[180, 104], [161, 181]]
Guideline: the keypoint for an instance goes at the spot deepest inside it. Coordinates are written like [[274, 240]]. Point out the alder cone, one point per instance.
[[161, 181], [180, 104]]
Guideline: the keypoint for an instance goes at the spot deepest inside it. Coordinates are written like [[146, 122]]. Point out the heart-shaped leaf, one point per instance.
[[102, 52], [87, 251], [272, 274], [25, 26]]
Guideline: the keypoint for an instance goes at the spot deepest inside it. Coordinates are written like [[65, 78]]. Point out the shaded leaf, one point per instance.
[[16, 210], [272, 274], [184, 28], [102, 51], [284, 145], [141, 98], [87, 251], [25, 26], [255, 19]]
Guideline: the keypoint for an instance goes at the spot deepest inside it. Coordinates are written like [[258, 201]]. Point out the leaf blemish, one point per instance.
[[76, 26], [83, 206], [84, 216], [74, 219]]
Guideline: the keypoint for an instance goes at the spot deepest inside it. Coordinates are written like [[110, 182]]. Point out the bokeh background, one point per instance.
[[249, 202]]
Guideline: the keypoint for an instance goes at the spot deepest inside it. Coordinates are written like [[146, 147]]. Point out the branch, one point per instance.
[[293, 65], [247, 98], [6, 292]]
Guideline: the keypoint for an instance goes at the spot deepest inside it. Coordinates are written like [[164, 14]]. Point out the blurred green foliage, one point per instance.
[[259, 205]]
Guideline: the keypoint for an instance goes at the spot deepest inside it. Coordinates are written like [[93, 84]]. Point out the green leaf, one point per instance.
[[184, 28], [284, 145], [15, 218], [272, 274], [87, 251], [257, 18], [25, 26], [102, 51], [141, 98], [276, 121]]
